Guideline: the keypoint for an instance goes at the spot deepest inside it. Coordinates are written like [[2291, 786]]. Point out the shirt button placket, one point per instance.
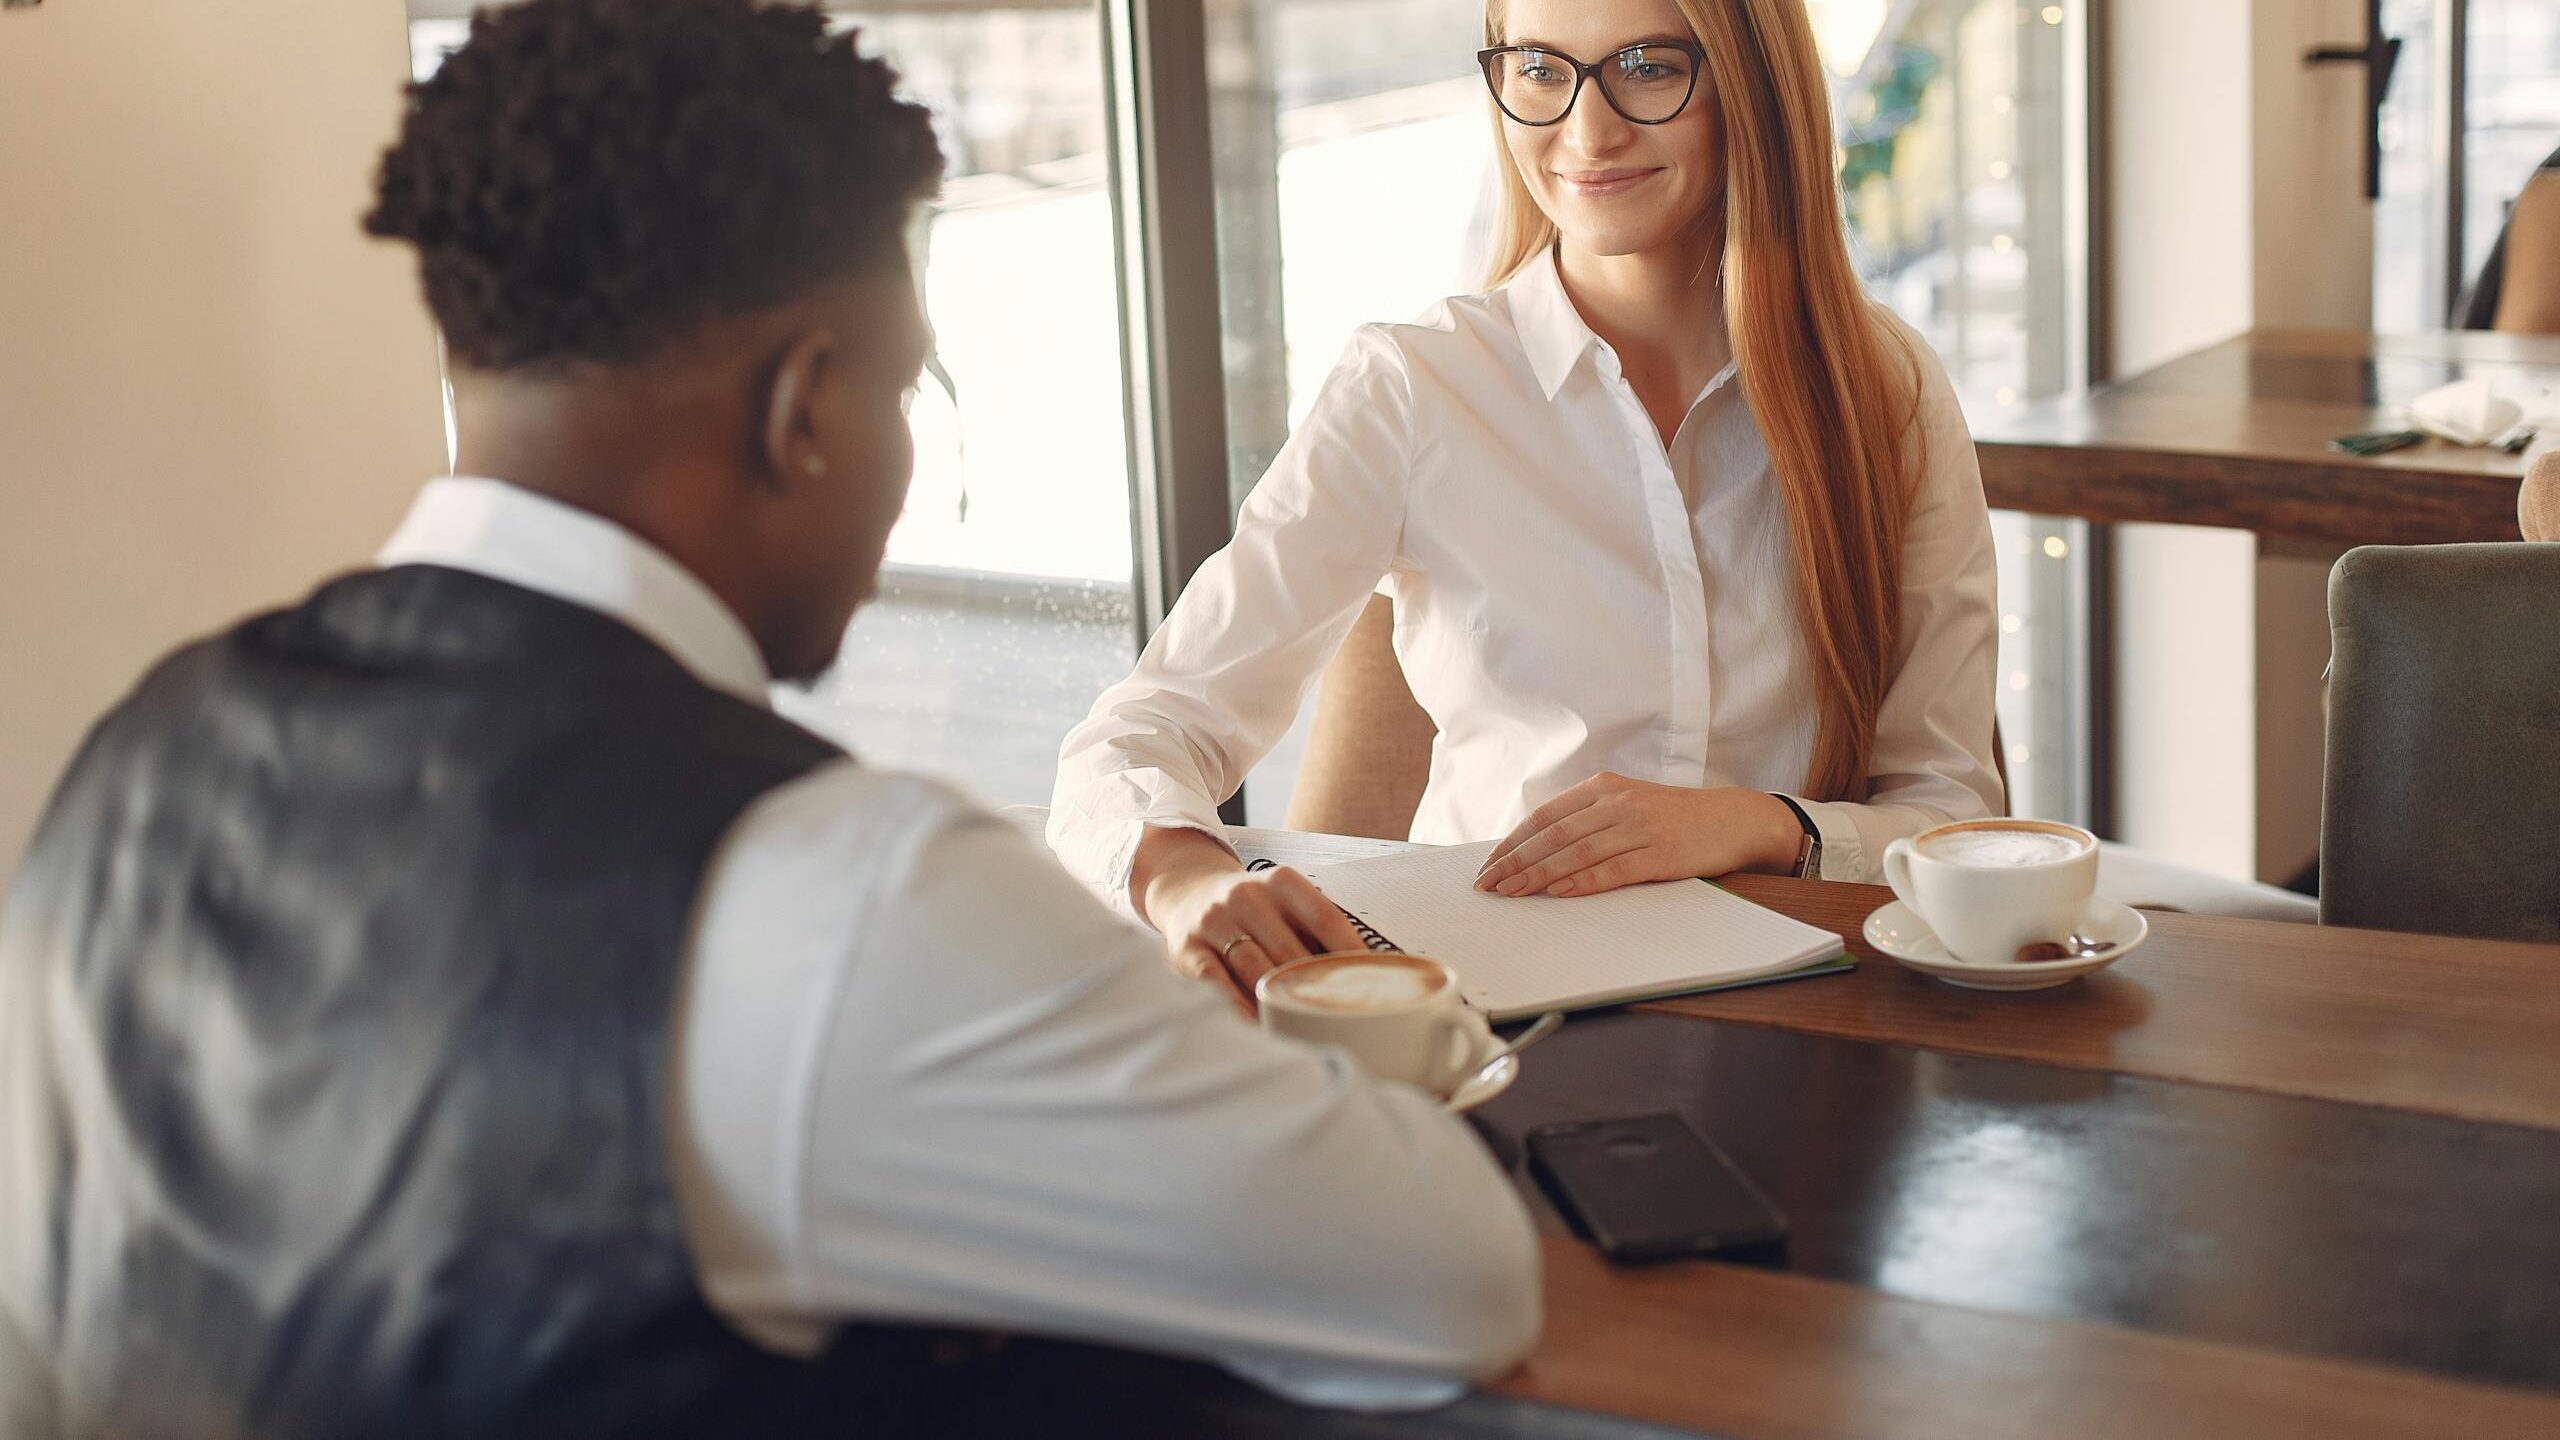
[[1684, 731]]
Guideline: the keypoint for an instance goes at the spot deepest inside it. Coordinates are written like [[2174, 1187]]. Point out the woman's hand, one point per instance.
[[1611, 831], [1228, 924]]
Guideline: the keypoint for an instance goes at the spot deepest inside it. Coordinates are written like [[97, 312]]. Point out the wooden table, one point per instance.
[[2255, 1180], [2237, 436]]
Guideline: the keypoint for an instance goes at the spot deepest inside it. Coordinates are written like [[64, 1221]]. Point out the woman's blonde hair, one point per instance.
[[1834, 387]]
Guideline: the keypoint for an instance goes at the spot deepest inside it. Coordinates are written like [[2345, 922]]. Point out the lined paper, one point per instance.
[[1537, 953]]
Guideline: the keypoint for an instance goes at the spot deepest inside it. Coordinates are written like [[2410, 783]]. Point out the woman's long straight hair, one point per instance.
[[1833, 386]]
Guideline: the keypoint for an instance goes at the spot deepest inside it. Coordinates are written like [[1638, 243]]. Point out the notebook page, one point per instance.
[[1516, 956]]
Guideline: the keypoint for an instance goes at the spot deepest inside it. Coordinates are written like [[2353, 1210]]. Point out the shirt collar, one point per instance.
[[509, 533], [1551, 330], [1554, 334]]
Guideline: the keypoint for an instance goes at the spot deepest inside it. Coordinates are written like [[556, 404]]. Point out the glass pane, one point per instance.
[[2410, 289], [1005, 606], [432, 40], [1326, 109], [2511, 124], [1959, 172], [2513, 113]]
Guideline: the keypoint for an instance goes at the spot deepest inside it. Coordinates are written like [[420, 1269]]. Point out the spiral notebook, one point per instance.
[[1518, 957]]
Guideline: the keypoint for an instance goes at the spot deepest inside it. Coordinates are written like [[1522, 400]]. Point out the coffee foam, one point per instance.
[[2000, 847], [1362, 985]]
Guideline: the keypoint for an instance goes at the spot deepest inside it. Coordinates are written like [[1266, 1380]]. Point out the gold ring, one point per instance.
[[1226, 952]]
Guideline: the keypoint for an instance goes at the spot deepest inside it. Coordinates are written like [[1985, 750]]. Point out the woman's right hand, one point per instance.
[[1225, 923]]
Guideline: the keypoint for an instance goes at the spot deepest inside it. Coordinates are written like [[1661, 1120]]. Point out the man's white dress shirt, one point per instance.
[[1572, 598], [920, 1076]]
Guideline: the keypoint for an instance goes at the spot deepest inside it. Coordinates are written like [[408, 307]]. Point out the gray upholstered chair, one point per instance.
[[2442, 809], [1369, 756]]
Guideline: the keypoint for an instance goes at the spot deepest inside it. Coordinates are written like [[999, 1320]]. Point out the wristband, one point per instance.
[[1809, 856]]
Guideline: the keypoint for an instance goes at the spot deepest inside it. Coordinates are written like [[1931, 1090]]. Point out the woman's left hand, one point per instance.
[[1611, 831]]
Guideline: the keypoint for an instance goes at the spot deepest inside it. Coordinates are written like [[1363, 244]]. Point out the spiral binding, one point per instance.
[[1369, 935]]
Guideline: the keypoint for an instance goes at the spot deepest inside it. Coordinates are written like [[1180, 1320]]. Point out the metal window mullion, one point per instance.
[[2093, 601], [1164, 218], [2453, 106]]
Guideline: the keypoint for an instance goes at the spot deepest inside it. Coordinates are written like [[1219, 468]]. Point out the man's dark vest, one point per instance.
[[368, 917]]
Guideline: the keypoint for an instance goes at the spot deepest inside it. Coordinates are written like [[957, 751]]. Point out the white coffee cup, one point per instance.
[[1400, 1016], [1988, 888]]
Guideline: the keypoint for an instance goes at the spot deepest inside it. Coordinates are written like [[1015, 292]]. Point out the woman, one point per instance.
[[1686, 541]]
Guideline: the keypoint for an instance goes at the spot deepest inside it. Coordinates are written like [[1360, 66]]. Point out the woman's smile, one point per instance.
[[1600, 184]]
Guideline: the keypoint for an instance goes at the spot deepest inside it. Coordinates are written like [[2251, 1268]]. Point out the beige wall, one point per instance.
[[212, 389], [2238, 203], [2313, 250], [2181, 211]]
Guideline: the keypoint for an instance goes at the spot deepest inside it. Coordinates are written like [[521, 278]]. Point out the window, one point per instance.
[[2501, 60], [1323, 109], [1005, 604], [2512, 115], [2413, 282], [1959, 125], [1008, 601], [1005, 607]]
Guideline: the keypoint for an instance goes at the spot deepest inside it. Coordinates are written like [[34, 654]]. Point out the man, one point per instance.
[[459, 1005]]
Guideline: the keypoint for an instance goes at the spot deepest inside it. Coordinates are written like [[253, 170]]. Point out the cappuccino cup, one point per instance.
[[1988, 888], [1400, 1016]]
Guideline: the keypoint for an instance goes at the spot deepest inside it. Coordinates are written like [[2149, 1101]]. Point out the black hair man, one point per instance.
[[459, 1005]]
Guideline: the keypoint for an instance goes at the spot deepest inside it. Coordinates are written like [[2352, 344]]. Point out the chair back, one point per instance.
[[2442, 809], [1369, 751]]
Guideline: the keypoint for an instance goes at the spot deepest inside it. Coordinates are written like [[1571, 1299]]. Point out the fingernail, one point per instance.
[[1561, 887], [1511, 886]]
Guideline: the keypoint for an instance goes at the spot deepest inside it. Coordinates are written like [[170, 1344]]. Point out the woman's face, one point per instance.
[[1611, 186]]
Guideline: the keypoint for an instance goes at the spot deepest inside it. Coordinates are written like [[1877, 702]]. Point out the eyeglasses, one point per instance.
[[1647, 84]]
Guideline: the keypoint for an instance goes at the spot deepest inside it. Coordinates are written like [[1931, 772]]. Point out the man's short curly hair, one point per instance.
[[591, 180]]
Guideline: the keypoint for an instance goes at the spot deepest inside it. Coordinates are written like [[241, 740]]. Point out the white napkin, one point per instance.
[[2485, 410]]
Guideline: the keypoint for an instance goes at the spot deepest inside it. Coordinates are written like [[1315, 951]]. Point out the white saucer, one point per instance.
[[1895, 931], [1481, 1087]]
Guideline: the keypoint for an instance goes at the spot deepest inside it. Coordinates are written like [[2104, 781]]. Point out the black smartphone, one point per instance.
[[1650, 1188]]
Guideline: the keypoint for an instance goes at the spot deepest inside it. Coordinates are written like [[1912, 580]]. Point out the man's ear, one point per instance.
[[793, 451]]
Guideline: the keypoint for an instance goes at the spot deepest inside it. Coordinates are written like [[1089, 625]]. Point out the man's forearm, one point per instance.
[[1172, 854]]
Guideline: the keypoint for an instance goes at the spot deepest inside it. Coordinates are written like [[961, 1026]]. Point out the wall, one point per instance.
[[2313, 255], [2237, 203], [2178, 98], [213, 389], [2180, 214]]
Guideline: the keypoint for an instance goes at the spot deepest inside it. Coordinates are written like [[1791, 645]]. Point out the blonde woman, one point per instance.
[[1686, 542]]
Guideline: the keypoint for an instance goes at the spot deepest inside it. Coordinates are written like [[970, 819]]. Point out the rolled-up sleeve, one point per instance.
[[1221, 681], [1933, 760]]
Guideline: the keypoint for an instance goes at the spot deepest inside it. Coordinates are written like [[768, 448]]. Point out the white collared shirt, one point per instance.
[[918, 1075], [1572, 598]]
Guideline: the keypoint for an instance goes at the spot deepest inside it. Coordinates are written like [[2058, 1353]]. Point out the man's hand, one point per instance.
[[1227, 924], [1611, 831]]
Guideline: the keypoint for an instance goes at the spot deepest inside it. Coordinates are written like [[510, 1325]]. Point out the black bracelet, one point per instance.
[[1810, 833]]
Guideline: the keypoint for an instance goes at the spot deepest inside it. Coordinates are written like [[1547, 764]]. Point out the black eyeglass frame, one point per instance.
[[1581, 73]]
